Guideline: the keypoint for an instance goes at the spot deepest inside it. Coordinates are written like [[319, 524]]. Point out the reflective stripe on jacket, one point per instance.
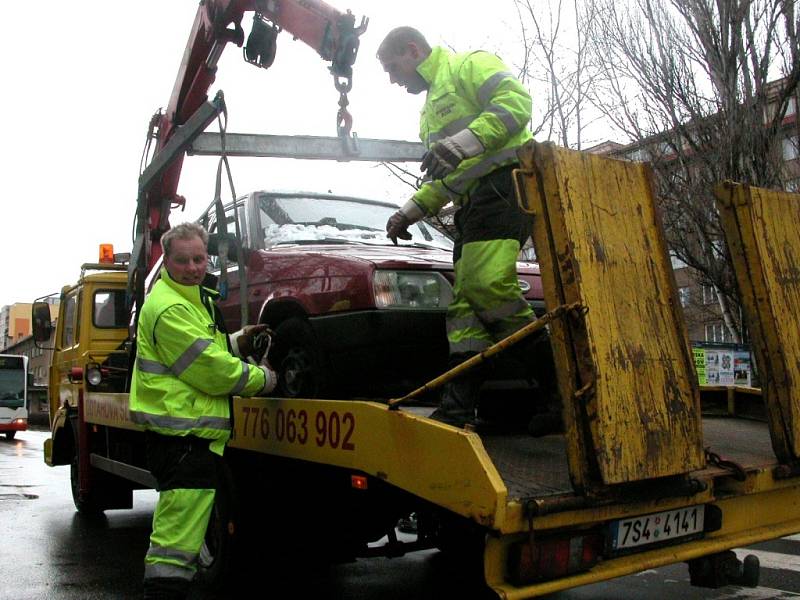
[[474, 90], [184, 372]]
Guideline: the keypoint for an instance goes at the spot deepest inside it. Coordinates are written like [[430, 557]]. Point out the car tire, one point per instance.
[[10, 434], [299, 361]]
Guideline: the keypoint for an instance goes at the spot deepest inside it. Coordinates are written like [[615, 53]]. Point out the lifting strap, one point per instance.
[[222, 226]]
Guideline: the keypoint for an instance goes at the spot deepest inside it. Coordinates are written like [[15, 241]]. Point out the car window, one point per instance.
[[298, 219]]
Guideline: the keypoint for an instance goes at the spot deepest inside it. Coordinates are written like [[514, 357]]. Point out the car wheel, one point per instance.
[[10, 434], [299, 361]]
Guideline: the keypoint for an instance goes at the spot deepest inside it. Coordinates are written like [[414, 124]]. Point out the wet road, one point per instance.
[[49, 551]]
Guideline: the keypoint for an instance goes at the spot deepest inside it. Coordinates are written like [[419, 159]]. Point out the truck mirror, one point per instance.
[[42, 325]]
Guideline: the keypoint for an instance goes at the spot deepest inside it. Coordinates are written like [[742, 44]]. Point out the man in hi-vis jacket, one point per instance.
[[474, 119], [186, 371]]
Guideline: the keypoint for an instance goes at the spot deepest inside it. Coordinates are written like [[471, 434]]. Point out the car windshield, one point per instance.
[[309, 220]]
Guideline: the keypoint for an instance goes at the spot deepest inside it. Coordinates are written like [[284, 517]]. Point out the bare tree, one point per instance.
[[690, 82], [554, 67]]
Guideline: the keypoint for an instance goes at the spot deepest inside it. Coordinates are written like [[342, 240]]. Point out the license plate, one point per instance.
[[657, 527]]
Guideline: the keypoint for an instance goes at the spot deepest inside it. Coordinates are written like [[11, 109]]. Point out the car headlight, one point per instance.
[[411, 289]]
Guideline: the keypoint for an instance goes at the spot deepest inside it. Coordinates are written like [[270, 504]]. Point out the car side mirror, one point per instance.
[[42, 325]]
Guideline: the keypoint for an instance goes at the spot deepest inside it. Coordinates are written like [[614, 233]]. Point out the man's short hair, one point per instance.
[[184, 231], [395, 42]]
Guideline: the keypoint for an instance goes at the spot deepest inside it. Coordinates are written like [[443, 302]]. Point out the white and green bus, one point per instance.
[[13, 394]]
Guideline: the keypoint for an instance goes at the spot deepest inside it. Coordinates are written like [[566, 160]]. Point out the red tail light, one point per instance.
[[547, 558], [358, 482]]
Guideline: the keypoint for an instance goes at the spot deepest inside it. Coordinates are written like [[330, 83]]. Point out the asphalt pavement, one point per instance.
[[49, 551]]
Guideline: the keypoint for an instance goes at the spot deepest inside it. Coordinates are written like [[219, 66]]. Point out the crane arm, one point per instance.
[[331, 33]]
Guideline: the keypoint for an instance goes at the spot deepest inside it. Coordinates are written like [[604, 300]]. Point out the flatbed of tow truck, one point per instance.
[[650, 470]]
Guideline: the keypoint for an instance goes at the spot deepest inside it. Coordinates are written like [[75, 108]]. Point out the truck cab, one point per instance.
[[90, 354]]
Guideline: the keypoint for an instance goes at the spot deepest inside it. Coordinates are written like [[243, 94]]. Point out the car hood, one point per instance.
[[386, 256], [378, 255]]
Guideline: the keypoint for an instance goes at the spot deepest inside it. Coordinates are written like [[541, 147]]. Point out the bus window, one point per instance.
[[12, 381], [13, 394]]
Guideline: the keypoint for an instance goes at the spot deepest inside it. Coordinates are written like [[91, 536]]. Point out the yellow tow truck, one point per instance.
[[640, 478]]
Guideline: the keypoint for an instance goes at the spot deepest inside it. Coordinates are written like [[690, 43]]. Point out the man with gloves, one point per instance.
[[187, 370], [473, 121]]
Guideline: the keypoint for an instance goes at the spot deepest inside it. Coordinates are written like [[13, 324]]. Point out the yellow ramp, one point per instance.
[[625, 368], [761, 230]]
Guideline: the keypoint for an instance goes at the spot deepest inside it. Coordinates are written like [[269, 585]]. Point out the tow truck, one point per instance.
[[640, 478]]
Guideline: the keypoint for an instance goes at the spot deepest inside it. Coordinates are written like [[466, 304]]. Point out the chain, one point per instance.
[[344, 120]]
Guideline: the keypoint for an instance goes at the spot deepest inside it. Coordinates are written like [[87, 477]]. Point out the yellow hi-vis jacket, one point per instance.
[[472, 90], [184, 373]]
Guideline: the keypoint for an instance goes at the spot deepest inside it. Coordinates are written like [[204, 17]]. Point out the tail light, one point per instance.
[[538, 559]]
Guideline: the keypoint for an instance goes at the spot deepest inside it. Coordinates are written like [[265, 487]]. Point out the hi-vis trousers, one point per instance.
[[488, 304], [187, 473]]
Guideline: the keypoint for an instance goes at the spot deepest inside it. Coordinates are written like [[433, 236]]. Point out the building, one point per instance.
[[701, 306], [15, 322]]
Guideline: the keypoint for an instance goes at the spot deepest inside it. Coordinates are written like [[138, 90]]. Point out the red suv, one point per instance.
[[354, 315]]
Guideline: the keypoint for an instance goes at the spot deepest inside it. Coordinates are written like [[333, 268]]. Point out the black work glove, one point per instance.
[[245, 341], [442, 159], [397, 227]]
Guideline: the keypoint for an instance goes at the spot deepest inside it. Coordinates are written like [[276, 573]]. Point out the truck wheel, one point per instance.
[[88, 504], [216, 560], [300, 363], [10, 434], [106, 492]]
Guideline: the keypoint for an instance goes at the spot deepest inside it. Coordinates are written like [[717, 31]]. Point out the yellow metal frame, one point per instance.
[[761, 230], [625, 370], [434, 461], [774, 505]]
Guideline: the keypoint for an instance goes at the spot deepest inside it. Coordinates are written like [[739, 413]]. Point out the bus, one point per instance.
[[13, 394]]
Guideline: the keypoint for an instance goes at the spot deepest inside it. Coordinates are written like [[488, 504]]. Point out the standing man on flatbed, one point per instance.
[[474, 119]]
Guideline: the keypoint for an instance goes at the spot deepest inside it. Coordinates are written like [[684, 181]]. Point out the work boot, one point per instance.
[[459, 401], [165, 588]]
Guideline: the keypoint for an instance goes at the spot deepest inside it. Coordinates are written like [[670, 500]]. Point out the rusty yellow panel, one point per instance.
[[625, 368], [433, 461], [761, 230]]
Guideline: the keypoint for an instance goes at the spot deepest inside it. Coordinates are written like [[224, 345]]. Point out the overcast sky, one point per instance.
[[83, 79]]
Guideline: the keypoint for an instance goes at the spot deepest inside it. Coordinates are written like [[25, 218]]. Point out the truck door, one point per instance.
[[761, 231], [624, 365], [67, 348]]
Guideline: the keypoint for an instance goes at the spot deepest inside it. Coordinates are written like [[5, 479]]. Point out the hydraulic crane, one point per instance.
[[331, 33]]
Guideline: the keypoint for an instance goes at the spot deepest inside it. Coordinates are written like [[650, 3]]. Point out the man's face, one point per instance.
[[402, 69], [187, 261]]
